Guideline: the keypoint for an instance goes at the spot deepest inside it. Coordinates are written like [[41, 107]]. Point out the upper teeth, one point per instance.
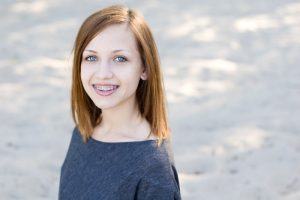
[[105, 87]]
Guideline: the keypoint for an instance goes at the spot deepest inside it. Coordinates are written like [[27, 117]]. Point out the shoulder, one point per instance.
[[161, 174], [75, 132], [76, 141], [72, 147], [160, 181], [153, 157], [76, 136]]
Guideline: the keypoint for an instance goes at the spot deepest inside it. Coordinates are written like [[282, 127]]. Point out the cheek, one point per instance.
[[132, 78], [130, 75], [85, 74]]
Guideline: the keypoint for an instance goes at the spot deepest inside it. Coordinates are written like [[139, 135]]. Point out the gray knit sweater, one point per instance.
[[101, 170]]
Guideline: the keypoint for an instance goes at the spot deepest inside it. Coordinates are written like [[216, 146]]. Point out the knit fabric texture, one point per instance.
[[136, 170]]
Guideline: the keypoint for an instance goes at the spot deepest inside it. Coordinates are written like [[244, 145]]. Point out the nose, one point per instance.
[[104, 70]]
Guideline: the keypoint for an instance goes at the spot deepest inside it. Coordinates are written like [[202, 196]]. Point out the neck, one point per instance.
[[123, 118]]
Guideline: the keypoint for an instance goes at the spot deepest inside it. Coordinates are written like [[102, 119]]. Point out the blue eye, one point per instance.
[[90, 58], [120, 59]]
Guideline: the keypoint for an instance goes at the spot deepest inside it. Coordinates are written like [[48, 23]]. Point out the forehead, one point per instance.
[[116, 36]]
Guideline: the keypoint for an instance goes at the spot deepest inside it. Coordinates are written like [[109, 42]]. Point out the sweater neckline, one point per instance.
[[125, 142]]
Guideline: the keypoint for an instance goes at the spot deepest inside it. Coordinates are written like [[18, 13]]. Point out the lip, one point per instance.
[[105, 93], [104, 84]]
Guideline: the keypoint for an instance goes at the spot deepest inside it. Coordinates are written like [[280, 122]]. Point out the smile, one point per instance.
[[105, 90]]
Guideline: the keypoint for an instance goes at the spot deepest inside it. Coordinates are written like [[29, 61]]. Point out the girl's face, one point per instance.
[[111, 67]]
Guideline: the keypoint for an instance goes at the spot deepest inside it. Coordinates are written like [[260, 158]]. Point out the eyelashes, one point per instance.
[[123, 59], [117, 59], [90, 58]]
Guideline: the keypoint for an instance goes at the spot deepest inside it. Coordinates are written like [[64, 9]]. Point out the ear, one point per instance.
[[144, 75]]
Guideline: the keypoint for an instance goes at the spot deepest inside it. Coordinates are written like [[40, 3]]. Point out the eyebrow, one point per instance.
[[114, 51]]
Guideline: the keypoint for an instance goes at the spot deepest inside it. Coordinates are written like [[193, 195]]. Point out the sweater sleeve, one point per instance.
[[158, 183]]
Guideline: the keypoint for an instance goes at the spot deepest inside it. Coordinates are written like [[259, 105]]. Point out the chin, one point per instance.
[[104, 106]]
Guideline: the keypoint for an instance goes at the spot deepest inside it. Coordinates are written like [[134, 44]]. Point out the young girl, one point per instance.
[[121, 144]]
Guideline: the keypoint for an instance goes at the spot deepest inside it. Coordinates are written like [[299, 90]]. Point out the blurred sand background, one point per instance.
[[232, 79]]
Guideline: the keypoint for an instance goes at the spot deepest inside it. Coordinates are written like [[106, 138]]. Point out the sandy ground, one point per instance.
[[232, 79]]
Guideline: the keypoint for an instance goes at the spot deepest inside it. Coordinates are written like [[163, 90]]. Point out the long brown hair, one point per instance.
[[150, 93]]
